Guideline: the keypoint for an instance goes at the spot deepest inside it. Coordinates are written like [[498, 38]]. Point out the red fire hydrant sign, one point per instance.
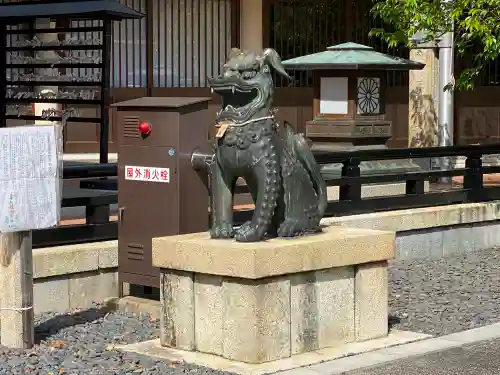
[[151, 174]]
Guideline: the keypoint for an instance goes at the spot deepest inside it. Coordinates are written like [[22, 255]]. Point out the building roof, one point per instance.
[[15, 12], [351, 56]]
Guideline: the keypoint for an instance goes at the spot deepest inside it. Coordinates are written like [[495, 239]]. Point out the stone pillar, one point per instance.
[[251, 25], [424, 96]]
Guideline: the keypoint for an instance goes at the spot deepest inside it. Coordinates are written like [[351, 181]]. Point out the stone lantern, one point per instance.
[[349, 101], [349, 87]]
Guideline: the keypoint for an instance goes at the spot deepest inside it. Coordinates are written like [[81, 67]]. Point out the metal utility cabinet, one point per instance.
[[159, 193]]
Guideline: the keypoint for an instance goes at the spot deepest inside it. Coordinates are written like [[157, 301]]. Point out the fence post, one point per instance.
[[415, 186], [97, 214], [16, 285], [473, 178], [352, 191]]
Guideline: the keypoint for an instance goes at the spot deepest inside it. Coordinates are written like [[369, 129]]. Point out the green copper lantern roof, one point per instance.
[[351, 56]]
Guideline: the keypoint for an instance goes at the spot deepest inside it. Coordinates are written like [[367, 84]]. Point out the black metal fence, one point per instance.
[[350, 182], [98, 227]]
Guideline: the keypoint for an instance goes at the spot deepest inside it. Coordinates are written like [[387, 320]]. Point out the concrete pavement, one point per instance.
[[471, 352], [474, 359]]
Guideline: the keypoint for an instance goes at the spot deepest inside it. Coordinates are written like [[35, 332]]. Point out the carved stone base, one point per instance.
[[270, 300]]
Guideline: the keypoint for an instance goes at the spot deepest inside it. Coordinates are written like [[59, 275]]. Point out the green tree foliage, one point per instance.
[[476, 26]]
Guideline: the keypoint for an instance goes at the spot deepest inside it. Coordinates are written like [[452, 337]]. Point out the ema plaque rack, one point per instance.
[[62, 66]]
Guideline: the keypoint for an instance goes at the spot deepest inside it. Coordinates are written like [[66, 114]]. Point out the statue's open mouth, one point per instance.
[[238, 96], [234, 99]]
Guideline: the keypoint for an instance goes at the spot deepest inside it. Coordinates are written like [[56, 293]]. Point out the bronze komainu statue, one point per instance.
[[281, 173]]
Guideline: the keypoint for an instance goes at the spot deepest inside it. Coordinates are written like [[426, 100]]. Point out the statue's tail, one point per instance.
[[299, 146]]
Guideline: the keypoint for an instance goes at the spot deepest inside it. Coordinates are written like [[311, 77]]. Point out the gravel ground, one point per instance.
[[82, 343], [436, 297], [444, 296]]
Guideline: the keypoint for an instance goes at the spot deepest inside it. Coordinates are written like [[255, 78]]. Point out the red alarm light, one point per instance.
[[144, 128]]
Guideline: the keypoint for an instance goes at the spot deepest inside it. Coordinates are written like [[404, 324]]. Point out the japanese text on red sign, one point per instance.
[[153, 174]]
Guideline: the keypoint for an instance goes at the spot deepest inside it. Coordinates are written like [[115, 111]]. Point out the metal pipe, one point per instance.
[[202, 157], [446, 103], [200, 160]]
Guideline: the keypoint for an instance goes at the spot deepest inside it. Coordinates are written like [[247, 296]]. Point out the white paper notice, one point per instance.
[[333, 95], [29, 178]]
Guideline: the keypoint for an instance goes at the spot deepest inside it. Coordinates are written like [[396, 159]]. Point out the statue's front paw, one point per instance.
[[222, 230], [248, 232]]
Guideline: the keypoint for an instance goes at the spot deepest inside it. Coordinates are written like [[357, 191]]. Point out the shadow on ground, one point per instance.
[[58, 322]]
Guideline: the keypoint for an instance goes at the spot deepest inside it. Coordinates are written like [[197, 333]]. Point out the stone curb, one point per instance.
[[384, 356], [136, 306], [74, 276], [64, 260], [421, 218]]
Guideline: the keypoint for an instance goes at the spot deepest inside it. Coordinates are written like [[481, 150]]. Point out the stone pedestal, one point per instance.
[[265, 301]]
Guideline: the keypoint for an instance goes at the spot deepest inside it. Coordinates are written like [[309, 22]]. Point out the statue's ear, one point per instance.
[[272, 58]]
